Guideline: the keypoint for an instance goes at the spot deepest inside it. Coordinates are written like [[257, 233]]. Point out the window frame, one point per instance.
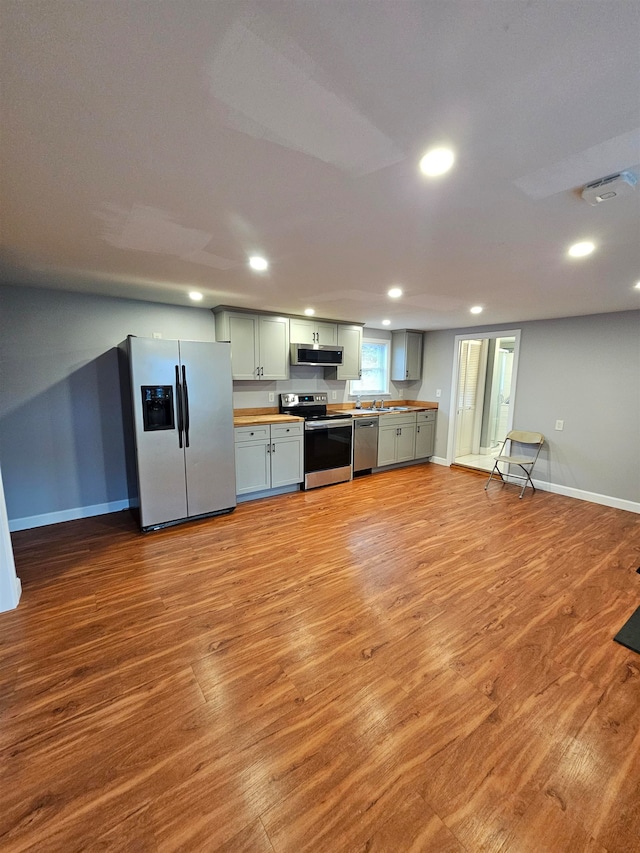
[[354, 391]]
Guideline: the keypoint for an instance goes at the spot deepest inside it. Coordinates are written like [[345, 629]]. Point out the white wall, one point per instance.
[[9, 583], [583, 370]]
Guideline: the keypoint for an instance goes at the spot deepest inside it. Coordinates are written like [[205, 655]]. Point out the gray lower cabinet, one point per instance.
[[269, 456], [396, 438], [425, 433]]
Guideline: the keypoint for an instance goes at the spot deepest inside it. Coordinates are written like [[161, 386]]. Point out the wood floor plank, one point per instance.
[[404, 662]]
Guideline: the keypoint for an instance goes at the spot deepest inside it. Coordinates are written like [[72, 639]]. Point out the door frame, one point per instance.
[[478, 334]]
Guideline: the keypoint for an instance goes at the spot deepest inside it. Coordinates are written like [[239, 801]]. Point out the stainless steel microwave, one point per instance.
[[325, 356]]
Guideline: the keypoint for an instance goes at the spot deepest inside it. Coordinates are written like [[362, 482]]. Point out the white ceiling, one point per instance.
[[149, 148]]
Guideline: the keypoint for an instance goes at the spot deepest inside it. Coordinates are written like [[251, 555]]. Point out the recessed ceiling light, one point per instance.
[[580, 250], [395, 292], [309, 312], [437, 161], [637, 285], [477, 309], [386, 322], [197, 297], [258, 263]]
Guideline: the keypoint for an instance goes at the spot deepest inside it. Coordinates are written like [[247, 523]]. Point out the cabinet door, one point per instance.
[[243, 335], [406, 356], [326, 334], [350, 337], [414, 355], [425, 437], [274, 347], [406, 443], [287, 461], [387, 444], [253, 466], [302, 331]]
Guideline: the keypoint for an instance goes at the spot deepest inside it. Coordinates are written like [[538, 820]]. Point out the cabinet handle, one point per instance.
[[268, 448], [273, 448], [257, 371], [418, 429], [262, 371], [406, 374]]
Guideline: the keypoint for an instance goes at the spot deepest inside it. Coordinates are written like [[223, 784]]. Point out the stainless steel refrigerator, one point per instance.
[[182, 402]]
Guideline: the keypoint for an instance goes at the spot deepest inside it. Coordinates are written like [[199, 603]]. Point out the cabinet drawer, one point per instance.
[[426, 416], [287, 430], [404, 419], [252, 433]]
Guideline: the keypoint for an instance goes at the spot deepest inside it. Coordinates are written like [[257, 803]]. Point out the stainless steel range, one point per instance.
[[328, 439]]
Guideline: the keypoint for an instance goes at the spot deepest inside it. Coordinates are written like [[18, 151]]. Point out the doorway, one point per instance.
[[484, 380]]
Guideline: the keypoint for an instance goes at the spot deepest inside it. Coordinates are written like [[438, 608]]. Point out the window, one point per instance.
[[375, 369]]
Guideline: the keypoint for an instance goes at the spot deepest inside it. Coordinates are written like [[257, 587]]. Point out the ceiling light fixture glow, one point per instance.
[[637, 285], [395, 292], [581, 250], [386, 322], [309, 312], [477, 309], [258, 263], [197, 297], [437, 161]]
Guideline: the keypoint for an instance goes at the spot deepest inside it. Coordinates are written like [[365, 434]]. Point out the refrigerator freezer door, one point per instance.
[[210, 465], [161, 467]]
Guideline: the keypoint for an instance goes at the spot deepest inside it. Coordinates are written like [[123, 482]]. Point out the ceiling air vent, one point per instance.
[[622, 183]]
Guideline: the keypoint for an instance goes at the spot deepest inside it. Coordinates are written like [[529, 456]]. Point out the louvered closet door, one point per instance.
[[468, 375]]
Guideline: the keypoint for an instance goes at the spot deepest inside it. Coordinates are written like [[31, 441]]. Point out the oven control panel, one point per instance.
[[319, 399]]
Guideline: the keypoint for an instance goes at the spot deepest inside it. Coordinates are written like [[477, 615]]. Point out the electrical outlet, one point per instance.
[[157, 334], [439, 392], [334, 395], [272, 397], [559, 425]]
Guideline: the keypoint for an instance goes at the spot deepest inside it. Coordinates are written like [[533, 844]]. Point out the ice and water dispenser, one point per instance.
[[157, 407]]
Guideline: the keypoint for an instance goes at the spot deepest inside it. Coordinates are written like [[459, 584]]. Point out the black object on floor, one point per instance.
[[629, 634]]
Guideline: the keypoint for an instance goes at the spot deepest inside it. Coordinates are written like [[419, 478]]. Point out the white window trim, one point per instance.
[[387, 344]]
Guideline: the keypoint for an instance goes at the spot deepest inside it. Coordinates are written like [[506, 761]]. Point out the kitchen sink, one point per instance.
[[388, 409]]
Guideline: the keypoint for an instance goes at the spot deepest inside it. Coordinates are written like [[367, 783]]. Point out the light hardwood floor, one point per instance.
[[401, 663]]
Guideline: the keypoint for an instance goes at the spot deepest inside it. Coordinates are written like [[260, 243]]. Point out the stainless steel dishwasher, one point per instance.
[[365, 444]]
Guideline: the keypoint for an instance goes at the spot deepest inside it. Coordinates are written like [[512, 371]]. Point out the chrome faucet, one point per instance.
[[373, 405]]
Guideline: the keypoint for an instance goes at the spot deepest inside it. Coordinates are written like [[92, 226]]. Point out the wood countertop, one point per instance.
[[270, 415], [261, 420]]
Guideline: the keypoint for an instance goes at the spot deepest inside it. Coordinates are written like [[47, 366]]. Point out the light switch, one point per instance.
[[438, 392], [559, 425], [272, 397]]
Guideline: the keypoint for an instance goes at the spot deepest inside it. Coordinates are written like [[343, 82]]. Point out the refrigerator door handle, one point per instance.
[[179, 406], [185, 391]]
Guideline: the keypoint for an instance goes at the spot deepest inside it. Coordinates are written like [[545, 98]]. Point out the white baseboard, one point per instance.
[[567, 491], [592, 497], [440, 460], [66, 515]]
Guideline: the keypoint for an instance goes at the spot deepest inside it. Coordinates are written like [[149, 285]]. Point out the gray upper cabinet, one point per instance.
[[406, 355], [259, 344], [312, 332], [349, 337]]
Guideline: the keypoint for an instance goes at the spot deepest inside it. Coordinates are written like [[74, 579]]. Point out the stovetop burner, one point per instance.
[[311, 407]]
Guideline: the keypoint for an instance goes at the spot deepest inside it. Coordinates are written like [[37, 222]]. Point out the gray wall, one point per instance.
[[583, 370], [61, 430]]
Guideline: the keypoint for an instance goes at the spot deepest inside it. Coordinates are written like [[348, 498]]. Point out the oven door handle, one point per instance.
[[335, 422]]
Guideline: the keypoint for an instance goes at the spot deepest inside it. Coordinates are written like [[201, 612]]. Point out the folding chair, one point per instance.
[[523, 451]]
